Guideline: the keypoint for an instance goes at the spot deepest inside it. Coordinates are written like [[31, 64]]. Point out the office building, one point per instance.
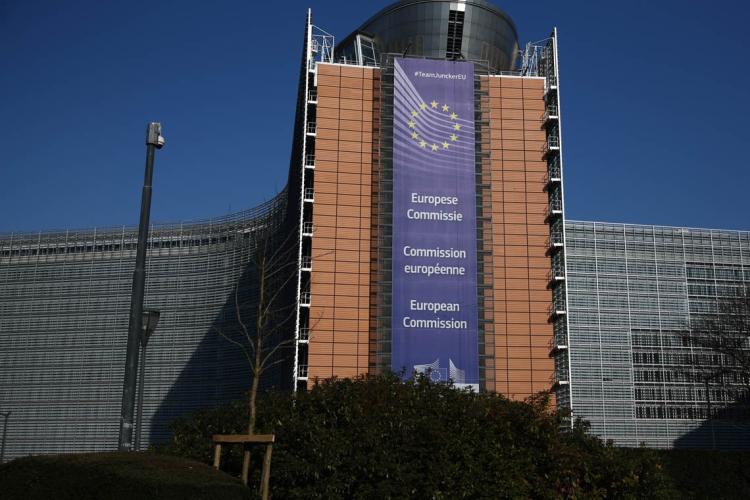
[[64, 308], [425, 210], [635, 293]]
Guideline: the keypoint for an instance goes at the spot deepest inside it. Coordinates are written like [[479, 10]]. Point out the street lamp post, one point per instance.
[[154, 141], [150, 320], [5, 414]]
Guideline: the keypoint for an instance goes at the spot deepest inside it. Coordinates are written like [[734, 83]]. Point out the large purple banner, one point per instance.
[[434, 309]]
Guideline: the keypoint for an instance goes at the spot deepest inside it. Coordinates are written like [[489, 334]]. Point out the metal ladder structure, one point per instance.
[[318, 47], [559, 346]]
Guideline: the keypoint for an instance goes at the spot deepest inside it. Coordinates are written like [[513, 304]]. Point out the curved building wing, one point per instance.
[[64, 306]]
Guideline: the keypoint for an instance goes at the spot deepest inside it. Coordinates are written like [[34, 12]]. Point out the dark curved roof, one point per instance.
[[428, 28], [484, 4]]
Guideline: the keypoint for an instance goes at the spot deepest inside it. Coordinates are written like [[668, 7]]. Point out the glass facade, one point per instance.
[[474, 30], [64, 307], [634, 292]]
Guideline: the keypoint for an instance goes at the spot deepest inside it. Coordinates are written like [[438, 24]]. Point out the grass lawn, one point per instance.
[[116, 476]]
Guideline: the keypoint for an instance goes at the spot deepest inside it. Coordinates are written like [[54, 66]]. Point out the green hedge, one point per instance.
[[378, 437]]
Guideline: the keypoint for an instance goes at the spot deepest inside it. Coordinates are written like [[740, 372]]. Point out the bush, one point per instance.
[[709, 474], [116, 476], [377, 437]]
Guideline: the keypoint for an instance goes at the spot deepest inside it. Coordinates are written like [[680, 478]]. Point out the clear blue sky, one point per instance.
[[655, 107]]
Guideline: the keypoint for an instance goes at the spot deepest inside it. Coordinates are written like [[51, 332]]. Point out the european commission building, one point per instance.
[[633, 293], [425, 217]]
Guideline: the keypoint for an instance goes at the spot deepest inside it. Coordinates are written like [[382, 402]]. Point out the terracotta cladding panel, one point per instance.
[[355, 104], [522, 374], [352, 146], [352, 83], [510, 165], [508, 123], [344, 253], [350, 178], [532, 135], [328, 94], [534, 84], [513, 145], [331, 113], [331, 103], [325, 157], [325, 70], [350, 125], [325, 198], [513, 186], [507, 82], [535, 104], [348, 372], [350, 135], [513, 114], [511, 102], [351, 157], [352, 93], [513, 135], [323, 144], [350, 167], [320, 221], [352, 71], [536, 147], [325, 175], [345, 361], [348, 199], [350, 114], [341, 219]]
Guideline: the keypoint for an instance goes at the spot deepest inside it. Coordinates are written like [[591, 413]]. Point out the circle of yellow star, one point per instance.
[[414, 122]]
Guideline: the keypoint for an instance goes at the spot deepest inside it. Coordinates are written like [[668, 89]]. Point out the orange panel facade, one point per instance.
[[516, 302], [520, 300], [340, 281]]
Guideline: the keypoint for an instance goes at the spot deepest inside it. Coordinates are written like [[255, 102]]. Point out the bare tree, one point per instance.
[[265, 310], [721, 342]]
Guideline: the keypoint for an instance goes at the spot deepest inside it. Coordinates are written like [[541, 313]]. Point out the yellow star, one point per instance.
[[454, 137], [434, 104], [434, 147], [423, 106], [454, 116], [414, 113], [414, 135], [423, 143], [445, 108], [456, 127], [445, 145], [411, 123]]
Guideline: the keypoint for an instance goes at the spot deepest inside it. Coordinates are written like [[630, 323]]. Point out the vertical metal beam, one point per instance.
[[5, 434], [154, 140], [141, 383]]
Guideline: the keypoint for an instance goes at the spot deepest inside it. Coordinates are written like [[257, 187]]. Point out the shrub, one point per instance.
[[377, 437]]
